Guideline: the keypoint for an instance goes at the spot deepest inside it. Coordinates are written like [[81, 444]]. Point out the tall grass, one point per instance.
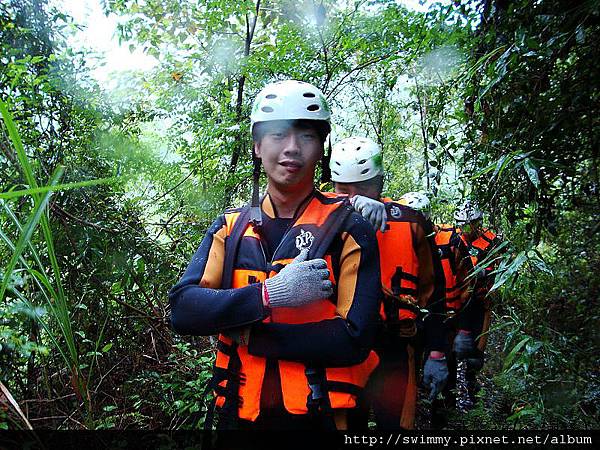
[[48, 280]]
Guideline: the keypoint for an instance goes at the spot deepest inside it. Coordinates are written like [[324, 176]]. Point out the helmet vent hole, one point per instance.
[[267, 109], [362, 161], [313, 107], [358, 148], [271, 96], [308, 95], [338, 163], [336, 173], [364, 171]]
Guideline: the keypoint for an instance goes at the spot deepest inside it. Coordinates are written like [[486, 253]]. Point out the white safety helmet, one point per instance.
[[417, 201], [355, 159], [467, 212], [289, 100]]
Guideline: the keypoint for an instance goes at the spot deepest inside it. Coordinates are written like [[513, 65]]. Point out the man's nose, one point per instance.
[[292, 144]]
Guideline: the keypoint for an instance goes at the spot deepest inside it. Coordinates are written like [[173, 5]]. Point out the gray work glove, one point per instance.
[[435, 376], [299, 283], [464, 345], [372, 210]]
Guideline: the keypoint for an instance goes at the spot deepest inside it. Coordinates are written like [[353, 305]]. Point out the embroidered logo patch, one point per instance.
[[304, 240], [395, 212]]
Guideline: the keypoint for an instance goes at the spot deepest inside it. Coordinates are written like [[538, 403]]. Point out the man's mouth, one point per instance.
[[291, 166]]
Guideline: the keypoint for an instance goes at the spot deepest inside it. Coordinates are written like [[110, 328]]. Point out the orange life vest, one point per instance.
[[344, 383], [478, 251], [445, 239], [399, 263], [480, 247]]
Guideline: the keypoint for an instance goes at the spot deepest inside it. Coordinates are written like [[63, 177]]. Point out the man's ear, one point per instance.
[[257, 151]]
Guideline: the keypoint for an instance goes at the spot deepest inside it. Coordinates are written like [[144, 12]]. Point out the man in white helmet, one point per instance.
[[289, 286], [412, 294]]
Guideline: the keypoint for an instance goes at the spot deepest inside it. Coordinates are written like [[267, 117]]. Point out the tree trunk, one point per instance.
[[238, 149]]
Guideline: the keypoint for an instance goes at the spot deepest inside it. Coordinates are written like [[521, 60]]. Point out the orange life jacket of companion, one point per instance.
[[343, 383], [446, 239], [399, 263], [478, 251], [480, 247]]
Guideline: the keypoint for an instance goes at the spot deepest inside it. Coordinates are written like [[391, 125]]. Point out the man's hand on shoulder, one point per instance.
[[372, 210]]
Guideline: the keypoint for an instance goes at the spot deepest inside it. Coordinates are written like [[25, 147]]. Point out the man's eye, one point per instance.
[[308, 136]]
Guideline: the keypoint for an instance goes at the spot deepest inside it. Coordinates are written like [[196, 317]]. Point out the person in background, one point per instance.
[[412, 297], [475, 315]]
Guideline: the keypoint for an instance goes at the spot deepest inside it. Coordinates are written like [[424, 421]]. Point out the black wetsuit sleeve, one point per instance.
[[198, 305]]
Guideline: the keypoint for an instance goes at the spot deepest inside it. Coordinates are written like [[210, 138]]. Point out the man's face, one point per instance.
[[470, 228], [370, 190], [289, 154]]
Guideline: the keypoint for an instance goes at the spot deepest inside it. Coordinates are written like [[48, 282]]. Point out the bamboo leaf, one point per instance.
[[510, 270], [513, 353], [58, 187], [532, 172], [29, 228], [107, 347]]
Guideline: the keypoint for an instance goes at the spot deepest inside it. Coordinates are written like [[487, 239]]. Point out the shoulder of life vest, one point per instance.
[[445, 227], [485, 240], [446, 234], [402, 213], [489, 235], [234, 210], [317, 224], [332, 195]]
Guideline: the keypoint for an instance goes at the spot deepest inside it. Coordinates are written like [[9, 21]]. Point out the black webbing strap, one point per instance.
[[392, 306], [228, 413], [487, 239], [232, 244], [317, 400], [224, 348], [330, 230], [445, 251], [345, 387]]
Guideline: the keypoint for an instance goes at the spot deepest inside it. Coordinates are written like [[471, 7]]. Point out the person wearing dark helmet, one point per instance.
[[474, 315], [412, 294], [289, 284]]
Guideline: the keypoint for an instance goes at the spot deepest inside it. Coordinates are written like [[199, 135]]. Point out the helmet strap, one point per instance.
[[255, 214], [325, 171]]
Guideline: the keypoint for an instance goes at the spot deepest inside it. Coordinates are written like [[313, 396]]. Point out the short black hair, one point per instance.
[[321, 126], [376, 183]]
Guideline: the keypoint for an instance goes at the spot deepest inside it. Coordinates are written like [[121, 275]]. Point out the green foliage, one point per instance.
[[104, 198], [170, 395], [531, 109]]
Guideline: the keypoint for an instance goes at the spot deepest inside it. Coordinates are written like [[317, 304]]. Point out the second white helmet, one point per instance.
[[418, 201], [355, 159], [289, 100]]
